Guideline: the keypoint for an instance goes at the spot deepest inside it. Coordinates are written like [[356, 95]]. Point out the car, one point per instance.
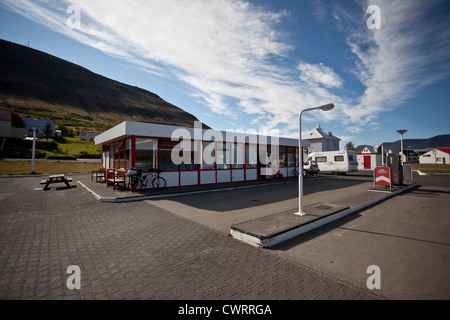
[[310, 167]]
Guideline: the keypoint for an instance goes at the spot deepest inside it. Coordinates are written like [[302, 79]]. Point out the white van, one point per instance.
[[335, 161]]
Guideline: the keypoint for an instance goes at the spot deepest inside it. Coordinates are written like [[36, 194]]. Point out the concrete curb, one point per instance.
[[265, 242], [179, 194]]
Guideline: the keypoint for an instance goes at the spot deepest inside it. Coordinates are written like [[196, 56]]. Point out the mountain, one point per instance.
[[437, 141], [38, 85]]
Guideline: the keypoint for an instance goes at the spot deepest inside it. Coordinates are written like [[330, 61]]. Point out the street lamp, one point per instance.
[[326, 107], [34, 150], [401, 133]]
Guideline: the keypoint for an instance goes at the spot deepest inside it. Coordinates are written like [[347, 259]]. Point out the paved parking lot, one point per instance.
[[154, 250], [136, 251]]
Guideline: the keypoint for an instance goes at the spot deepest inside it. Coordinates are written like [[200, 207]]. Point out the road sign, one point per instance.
[[383, 176]]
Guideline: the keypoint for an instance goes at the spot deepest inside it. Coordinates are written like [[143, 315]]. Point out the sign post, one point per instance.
[[383, 177]]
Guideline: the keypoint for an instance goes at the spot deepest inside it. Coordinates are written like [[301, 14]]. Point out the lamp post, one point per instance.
[[34, 150], [326, 107], [402, 132]]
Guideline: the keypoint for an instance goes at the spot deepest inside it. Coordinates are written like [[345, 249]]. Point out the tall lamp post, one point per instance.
[[34, 151], [326, 107], [402, 132]]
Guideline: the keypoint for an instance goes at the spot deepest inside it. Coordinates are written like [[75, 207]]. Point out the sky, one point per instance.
[[254, 65]]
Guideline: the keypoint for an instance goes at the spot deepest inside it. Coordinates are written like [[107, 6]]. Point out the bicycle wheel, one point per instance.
[[159, 183], [135, 185]]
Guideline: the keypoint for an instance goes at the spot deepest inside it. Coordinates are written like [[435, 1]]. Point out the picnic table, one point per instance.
[[56, 178]]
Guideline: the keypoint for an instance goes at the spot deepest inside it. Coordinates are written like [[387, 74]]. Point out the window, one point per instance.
[[165, 155], [282, 157], [188, 156], [321, 159], [250, 156], [291, 159], [146, 151], [223, 155], [165, 161], [209, 156], [238, 156], [338, 158]]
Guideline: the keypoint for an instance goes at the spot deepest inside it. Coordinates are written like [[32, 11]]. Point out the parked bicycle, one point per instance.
[[137, 180]]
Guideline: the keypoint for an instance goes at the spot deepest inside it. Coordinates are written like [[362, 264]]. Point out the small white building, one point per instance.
[[321, 140], [368, 158], [6, 128], [436, 156], [212, 157], [88, 135]]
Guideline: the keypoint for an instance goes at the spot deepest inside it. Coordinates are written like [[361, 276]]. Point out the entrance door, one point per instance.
[[367, 162]]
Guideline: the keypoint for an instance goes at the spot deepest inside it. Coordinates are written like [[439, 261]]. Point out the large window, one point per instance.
[[209, 156], [165, 155], [146, 153], [251, 156], [238, 156], [282, 157], [223, 155], [188, 156]]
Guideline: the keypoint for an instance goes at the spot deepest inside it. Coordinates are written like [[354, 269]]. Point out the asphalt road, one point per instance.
[[407, 236]]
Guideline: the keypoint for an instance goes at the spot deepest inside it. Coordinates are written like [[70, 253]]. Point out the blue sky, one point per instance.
[[253, 65]]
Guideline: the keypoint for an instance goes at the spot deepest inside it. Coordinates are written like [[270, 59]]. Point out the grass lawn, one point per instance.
[[431, 168], [46, 167], [75, 146]]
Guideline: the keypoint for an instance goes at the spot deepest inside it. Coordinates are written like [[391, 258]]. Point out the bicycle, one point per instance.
[[136, 180]]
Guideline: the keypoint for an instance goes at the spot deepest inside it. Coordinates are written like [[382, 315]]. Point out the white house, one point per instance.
[[436, 156], [368, 158], [5, 123], [88, 135], [6, 128], [321, 140]]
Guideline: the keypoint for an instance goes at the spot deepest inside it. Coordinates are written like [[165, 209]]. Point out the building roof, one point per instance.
[[319, 133], [38, 123], [444, 149], [143, 129], [366, 149]]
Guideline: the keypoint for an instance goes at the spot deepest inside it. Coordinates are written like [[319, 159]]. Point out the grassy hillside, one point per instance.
[[38, 85]]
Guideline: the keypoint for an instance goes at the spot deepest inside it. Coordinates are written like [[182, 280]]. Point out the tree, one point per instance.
[[48, 131], [350, 147]]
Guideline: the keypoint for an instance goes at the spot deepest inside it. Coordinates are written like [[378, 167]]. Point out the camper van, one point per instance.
[[339, 162]]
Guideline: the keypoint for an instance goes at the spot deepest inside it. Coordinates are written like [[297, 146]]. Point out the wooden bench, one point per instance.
[[100, 175], [115, 177], [56, 178]]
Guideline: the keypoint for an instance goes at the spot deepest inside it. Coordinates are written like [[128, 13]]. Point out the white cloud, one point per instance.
[[397, 61], [224, 50], [319, 74]]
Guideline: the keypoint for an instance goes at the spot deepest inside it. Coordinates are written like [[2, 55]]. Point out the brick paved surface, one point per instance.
[[135, 251]]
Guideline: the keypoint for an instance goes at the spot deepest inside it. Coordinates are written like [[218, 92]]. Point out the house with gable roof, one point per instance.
[[321, 140], [436, 156]]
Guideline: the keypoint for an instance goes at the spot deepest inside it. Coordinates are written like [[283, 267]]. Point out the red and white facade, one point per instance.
[[232, 157], [368, 159]]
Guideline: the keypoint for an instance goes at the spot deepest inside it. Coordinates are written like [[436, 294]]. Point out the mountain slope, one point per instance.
[[39, 85], [437, 141]]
